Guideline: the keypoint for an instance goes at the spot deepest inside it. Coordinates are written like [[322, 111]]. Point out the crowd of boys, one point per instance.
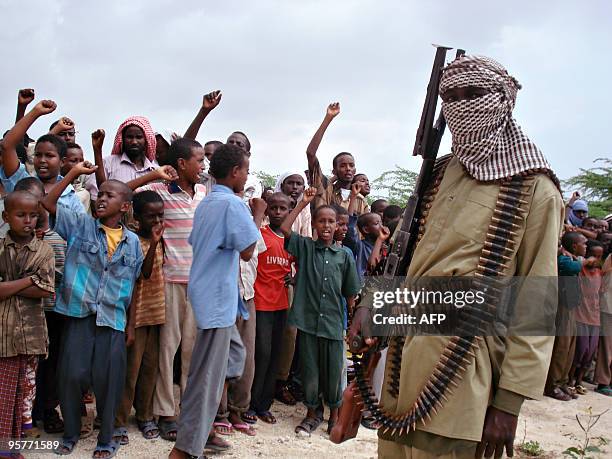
[[165, 263]]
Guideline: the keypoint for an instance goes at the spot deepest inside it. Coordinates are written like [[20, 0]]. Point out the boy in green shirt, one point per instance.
[[325, 275]]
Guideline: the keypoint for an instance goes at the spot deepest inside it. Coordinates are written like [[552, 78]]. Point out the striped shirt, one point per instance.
[[92, 283], [149, 298], [59, 252], [179, 209], [23, 329]]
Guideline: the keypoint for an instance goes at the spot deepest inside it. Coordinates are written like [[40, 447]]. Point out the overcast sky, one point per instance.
[[279, 63]]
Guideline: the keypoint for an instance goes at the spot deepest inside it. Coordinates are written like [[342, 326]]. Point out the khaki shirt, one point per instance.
[[23, 329], [506, 370], [328, 193]]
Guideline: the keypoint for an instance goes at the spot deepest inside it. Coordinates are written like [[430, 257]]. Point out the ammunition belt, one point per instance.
[[500, 244]]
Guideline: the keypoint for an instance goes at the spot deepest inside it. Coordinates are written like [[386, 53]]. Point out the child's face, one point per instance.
[[341, 228], [293, 186], [209, 150], [161, 150], [372, 226], [73, 157], [152, 215], [134, 142], [47, 161], [597, 252], [190, 169], [590, 224], [239, 175], [111, 201], [388, 222], [365, 184], [380, 208], [277, 210], [579, 248], [22, 217], [345, 168], [325, 225]]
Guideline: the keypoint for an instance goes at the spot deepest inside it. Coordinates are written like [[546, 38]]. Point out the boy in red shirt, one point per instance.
[[271, 304]]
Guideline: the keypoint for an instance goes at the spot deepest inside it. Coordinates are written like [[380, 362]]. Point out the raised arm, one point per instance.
[[97, 140], [49, 202], [149, 259], [376, 254], [333, 110], [24, 98], [309, 195], [258, 209], [16, 134], [209, 102], [63, 124], [162, 173]]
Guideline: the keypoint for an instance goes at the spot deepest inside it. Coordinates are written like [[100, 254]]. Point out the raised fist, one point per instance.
[[333, 109], [25, 96]]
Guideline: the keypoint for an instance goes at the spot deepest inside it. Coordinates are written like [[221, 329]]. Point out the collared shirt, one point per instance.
[[362, 249], [325, 275], [329, 193], [120, 167], [222, 228], [23, 329], [68, 198], [92, 283], [248, 272], [179, 209], [148, 298], [59, 254]]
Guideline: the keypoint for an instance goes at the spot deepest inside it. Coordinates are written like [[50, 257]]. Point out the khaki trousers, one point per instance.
[[179, 329], [141, 376], [563, 349], [392, 450], [603, 371]]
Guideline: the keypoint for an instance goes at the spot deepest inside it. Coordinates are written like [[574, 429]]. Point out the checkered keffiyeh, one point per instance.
[[142, 123], [486, 139]]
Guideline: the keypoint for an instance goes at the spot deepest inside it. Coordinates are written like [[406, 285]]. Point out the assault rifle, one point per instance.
[[428, 138]]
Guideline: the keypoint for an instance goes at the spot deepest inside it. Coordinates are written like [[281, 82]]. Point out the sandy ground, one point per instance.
[[549, 422]]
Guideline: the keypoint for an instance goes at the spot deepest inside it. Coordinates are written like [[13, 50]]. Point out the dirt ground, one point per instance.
[[549, 422]]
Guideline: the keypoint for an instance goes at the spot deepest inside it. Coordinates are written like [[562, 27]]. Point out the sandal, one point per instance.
[[217, 444], [267, 416], [581, 390], [223, 428], [246, 429], [111, 449], [284, 395], [120, 436], [606, 390], [570, 391], [168, 430], [65, 447], [249, 416], [370, 422], [149, 429], [558, 394], [308, 425], [52, 423]]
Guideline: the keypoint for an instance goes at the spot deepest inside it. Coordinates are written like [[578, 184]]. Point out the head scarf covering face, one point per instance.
[[278, 188], [579, 204], [149, 134], [486, 139]]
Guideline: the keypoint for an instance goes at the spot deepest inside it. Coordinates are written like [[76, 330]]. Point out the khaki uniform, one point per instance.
[[505, 370]]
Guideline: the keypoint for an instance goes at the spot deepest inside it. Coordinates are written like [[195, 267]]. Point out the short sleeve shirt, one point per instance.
[[325, 275], [222, 228], [273, 266], [23, 330], [149, 298]]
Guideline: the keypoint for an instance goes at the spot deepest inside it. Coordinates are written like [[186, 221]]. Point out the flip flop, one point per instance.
[[249, 416], [581, 390], [65, 447], [267, 416], [245, 428], [149, 429], [559, 394], [217, 447], [52, 422], [111, 448], [168, 430], [223, 428], [120, 436], [605, 391], [308, 425]]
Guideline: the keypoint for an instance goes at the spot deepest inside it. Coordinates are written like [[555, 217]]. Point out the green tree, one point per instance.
[[595, 185], [266, 179], [395, 186]]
